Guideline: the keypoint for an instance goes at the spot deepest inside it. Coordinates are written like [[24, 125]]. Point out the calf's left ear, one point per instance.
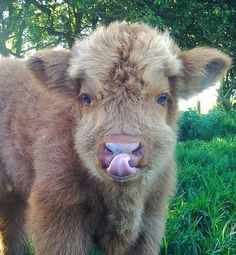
[[202, 67]]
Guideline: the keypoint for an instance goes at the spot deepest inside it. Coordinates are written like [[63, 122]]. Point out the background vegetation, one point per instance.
[[202, 218], [217, 123]]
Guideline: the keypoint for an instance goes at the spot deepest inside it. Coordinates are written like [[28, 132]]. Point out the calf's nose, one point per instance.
[[118, 148], [122, 155], [133, 150]]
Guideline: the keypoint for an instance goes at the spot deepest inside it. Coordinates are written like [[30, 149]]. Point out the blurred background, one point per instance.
[[202, 218]]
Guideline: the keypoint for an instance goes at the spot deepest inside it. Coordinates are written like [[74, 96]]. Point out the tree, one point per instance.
[[36, 24]]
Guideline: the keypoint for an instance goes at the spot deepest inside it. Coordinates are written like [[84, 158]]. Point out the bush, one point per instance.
[[216, 123]]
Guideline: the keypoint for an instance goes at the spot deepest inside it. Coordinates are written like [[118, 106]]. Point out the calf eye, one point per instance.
[[162, 98], [86, 99]]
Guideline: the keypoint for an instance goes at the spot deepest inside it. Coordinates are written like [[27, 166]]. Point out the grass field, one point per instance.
[[202, 215]]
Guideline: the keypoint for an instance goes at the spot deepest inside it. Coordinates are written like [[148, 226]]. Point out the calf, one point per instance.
[[88, 139]]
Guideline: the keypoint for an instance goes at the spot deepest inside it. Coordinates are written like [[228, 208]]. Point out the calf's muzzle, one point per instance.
[[122, 155]]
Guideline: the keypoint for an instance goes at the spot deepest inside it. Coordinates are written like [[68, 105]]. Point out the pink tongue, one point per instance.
[[120, 167]]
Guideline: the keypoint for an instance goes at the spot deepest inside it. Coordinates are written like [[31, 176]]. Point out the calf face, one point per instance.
[[125, 81], [123, 130]]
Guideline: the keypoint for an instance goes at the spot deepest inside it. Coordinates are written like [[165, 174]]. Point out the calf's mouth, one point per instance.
[[122, 156]]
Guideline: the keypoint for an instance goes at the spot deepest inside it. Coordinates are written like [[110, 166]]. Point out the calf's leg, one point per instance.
[[56, 230]]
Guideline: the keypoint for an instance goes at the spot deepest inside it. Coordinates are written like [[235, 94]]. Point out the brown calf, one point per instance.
[[88, 138]]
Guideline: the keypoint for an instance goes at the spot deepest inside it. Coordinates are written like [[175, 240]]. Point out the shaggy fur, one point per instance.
[[51, 175]]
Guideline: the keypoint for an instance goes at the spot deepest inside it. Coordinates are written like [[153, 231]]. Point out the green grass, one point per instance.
[[202, 215]]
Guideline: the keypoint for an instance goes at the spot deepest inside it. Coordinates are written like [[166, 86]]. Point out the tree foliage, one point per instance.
[[34, 24]]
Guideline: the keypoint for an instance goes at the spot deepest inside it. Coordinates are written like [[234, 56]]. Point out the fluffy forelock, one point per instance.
[[148, 51]]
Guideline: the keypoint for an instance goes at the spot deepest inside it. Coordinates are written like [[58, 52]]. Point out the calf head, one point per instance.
[[126, 80]]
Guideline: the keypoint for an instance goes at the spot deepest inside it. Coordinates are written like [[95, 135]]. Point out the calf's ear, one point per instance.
[[50, 68], [202, 67]]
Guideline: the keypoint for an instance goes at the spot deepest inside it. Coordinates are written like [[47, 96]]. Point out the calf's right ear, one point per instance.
[[50, 68]]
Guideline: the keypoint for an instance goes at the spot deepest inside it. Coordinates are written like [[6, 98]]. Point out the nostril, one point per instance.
[[134, 147], [107, 149], [137, 154], [137, 150], [113, 148]]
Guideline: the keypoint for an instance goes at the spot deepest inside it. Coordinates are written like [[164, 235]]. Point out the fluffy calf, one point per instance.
[[88, 138]]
